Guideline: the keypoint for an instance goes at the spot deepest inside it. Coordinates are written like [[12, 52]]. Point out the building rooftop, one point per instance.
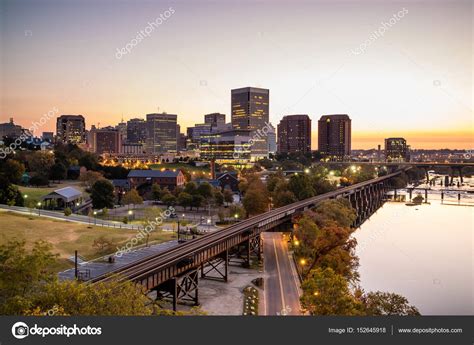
[[68, 193], [153, 173]]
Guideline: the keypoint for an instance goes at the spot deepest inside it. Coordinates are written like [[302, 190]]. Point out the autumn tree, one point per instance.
[[102, 194], [328, 293], [385, 303], [132, 198]]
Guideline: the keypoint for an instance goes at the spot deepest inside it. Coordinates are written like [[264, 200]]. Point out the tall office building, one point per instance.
[[334, 137], [10, 129], [272, 141], [71, 129], [136, 131], [396, 150], [216, 120], [250, 111], [106, 140], [162, 137], [294, 134]]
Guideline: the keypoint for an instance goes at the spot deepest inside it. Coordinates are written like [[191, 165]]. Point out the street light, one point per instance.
[[296, 243], [39, 205], [25, 196], [316, 293], [306, 171], [95, 218], [302, 262]]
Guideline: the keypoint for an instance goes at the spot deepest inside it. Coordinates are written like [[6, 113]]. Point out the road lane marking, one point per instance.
[[279, 275]]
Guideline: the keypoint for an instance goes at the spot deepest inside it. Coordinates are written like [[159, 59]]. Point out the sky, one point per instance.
[[409, 75]]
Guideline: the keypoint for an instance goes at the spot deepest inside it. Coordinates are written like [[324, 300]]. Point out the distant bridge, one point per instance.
[[174, 272]]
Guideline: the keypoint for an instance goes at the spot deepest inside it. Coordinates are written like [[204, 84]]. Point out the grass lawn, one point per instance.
[[66, 237]]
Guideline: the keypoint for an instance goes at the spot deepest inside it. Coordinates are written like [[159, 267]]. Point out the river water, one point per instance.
[[424, 253]]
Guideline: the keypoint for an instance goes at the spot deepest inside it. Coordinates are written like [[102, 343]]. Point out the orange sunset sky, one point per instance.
[[410, 76]]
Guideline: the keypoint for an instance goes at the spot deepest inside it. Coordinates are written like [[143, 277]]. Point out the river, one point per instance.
[[424, 253]]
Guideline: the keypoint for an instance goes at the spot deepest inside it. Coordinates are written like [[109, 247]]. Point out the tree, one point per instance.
[[132, 197], [228, 196], [327, 293], [205, 190], [13, 171], [89, 177], [67, 212], [9, 193], [103, 245], [168, 199], [218, 197], [22, 274], [301, 187], [39, 180], [255, 201], [102, 194], [384, 303], [190, 188], [185, 199], [40, 161], [89, 161], [156, 192], [198, 200], [58, 172]]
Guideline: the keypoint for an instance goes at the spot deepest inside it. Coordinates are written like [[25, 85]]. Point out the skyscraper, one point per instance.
[[250, 111], [106, 140], [334, 136], [216, 120], [71, 129], [162, 137], [136, 131], [294, 134], [396, 150]]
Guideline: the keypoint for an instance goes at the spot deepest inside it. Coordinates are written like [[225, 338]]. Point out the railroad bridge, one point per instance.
[[175, 273]]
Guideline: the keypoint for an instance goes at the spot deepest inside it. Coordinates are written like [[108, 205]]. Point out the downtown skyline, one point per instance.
[[401, 84]]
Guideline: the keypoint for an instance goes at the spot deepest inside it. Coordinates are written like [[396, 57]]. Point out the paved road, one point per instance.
[[72, 218], [281, 281]]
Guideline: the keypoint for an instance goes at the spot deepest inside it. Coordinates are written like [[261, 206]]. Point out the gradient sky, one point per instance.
[[414, 81]]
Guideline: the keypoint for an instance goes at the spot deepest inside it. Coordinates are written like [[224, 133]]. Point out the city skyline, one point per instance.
[[401, 83]]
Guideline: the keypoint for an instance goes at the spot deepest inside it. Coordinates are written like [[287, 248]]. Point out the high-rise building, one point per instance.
[[107, 140], [122, 129], [9, 129], [231, 147], [136, 131], [272, 141], [71, 129], [396, 150], [250, 111], [294, 134], [162, 137], [334, 137], [216, 120]]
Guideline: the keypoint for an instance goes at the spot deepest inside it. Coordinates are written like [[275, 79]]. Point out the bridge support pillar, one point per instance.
[[256, 246], [215, 266], [426, 196], [183, 289]]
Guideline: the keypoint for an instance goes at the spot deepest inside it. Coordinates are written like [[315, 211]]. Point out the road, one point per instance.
[[281, 281], [71, 218]]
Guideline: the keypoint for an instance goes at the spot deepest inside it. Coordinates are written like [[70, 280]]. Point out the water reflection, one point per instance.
[[424, 253]]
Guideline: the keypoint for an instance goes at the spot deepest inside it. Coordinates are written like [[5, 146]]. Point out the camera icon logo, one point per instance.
[[20, 330]]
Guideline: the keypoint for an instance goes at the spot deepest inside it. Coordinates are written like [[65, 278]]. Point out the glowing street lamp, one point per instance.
[[25, 196], [296, 243], [306, 171], [95, 218], [316, 293], [302, 262], [39, 208]]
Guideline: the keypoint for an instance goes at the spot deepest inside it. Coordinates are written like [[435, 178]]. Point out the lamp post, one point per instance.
[[95, 218], [130, 215], [39, 209]]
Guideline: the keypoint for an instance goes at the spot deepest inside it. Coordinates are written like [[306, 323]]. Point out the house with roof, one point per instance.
[[228, 180], [62, 198], [164, 178]]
